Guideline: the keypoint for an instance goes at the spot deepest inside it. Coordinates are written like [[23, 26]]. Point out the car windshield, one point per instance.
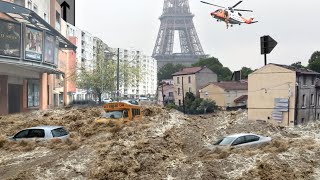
[[59, 132], [225, 141], [113, 115]]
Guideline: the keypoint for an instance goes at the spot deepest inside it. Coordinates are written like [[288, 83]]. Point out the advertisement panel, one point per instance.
[[49, 48], [34, 41], [10, 39]]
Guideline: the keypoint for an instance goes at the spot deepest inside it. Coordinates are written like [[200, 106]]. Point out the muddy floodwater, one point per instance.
[[165, 144]]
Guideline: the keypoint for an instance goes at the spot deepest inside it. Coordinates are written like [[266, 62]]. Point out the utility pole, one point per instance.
[[162, 94], [118, 74], [184, 107]]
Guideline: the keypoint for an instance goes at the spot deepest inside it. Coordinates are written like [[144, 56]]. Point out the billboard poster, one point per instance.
[[34, 41], [10, 39], [49, 48]]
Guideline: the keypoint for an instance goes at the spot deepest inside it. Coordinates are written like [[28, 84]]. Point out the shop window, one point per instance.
[[33, 93]]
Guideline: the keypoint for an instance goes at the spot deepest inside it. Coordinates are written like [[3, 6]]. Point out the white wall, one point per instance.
[[42, 6]]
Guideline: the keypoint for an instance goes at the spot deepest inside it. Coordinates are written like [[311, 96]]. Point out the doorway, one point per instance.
[[15, 92]]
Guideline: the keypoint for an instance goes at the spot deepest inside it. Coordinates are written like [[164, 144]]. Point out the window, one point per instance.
[[189, 79], [33, 93], [304, 80], [125, 114], [170, 94], [318, 117], [252, 138], [45, 17], [178, 91], [59, 132], [29, 5], [312, 99], [313, 80], [19, 2], [57, 21], [189, 89], [178, 80], [179, 102], [302, 121], [239, 140], [21, 134], [304, 101], [135, 112], [35, 8], [36, 133]]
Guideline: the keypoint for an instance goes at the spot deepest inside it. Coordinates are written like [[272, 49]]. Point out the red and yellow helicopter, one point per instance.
[[229, 15]]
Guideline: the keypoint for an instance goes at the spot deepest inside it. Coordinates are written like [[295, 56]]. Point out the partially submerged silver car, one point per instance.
[[42, 133], [241, 140]]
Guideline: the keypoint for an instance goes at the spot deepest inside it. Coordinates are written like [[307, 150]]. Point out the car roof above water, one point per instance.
[[241, 134], [46, 127]]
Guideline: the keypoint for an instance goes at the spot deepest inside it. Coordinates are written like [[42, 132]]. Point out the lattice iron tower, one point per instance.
[[176, 16]]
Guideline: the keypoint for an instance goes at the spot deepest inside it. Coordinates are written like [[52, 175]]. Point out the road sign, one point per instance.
[[68, 10], [267, 44]]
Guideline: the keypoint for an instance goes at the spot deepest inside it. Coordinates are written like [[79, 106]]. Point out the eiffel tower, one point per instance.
[[176, 16]]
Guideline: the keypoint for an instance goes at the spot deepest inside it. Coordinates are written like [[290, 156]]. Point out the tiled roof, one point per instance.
[[232, 85], [186, 71], [299, 70], [241, 99]]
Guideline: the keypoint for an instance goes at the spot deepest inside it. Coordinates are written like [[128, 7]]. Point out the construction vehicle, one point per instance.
[[120, 112]]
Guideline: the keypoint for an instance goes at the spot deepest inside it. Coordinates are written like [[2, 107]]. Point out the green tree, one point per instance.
[[297, 65], [188, 100], [167, 70], [245, 71], [207, 105], [102, 76], [314, 61], [224, 73]]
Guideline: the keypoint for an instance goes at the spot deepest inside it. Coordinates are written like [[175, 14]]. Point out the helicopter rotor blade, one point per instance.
[[236, 4], [212, 4], [242, 10]]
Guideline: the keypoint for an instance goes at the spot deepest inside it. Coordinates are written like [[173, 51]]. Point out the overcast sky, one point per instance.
[[134, 23]]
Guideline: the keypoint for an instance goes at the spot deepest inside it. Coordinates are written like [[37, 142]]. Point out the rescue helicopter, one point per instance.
[[229, 15]]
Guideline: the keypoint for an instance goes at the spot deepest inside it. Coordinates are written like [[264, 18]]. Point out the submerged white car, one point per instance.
[[42, 133], [241, 140]]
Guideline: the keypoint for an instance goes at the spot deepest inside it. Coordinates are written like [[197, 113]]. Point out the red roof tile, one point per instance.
[[186, 71]]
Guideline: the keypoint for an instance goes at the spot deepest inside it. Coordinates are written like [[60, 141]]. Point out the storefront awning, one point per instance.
[[30, 18], [13, 67]]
